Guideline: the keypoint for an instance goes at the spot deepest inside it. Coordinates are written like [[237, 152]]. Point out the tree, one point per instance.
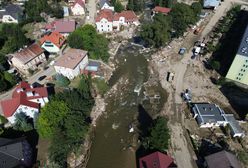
[[197, 8], [182, 16], [215, 64], [118, 6], [22, 123], [51, 117], [10, 78], [164, 3], [156, 34], [57, 10], [95, 44], [159, 136]]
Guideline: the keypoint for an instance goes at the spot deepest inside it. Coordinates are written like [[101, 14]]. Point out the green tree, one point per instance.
[[159, 136], [21, 122], [51, 117], [197, 8], [215, 64], [118, 6], [182, 16], [10, 78], [130, 5], [156, 34], [164, 3], [95, 44]]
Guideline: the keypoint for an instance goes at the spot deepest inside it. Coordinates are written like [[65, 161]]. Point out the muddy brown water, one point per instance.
[[113, 146]]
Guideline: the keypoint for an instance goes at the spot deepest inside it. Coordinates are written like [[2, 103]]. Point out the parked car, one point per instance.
[[42, 77], [182, 51]]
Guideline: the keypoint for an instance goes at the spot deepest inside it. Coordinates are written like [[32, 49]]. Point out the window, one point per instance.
[[101, 25], [244, 65]]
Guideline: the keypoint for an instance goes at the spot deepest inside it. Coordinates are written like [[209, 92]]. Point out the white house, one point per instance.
[[104, 4], [25, 99], [53, 42], [27, 58], [78, 8], [106, 21], [11, 14], [72, 63]]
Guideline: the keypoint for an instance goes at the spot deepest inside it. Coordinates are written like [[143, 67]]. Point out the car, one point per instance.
[[182, 51], [42, 77]]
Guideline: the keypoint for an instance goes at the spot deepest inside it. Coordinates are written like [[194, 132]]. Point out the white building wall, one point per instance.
[[42, 101], [104, 26], [106, 6], [77, 10], [51, 49], [28, 111], [9, 19]]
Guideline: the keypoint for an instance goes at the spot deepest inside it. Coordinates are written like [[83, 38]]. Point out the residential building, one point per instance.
[[210, 115], [222, 159], [72, 63], [107, 21], [11, 14], [25, 99], [211, 4], [52, 42], [15, 153], [63, 26], [156, 160], [159, 9], [104, 4], [66, 11], [239, 69], [78, 7], [27, 58]]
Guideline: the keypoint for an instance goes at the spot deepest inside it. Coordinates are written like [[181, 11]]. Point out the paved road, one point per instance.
[[91, 8]]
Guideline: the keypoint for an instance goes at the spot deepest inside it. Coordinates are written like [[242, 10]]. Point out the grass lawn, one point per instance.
[[75, 82]]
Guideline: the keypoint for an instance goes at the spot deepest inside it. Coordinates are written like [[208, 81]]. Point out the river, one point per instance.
[[113, 145]]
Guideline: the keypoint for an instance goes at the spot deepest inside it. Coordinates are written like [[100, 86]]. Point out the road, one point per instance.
[[91, 8]]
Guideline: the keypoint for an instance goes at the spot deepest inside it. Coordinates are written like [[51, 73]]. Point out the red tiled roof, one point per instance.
[[29, 53], [128, 15], [80, 2], [162, 9], [55, 37], [105, 13], [62, 26], [10, 106], [20, 97], [156, 160]]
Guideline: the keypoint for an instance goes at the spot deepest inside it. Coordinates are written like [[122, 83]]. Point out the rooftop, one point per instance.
[[236, 129], [13, 10], [80, 2], [222, 159], [102, 2], [71, 58], [22, 95], [243, 47], [211, 3], [62, 26], [156, 160], [105, 13], [208, 113], [162, 9], [129, 16], [27, 54], [55, 37]]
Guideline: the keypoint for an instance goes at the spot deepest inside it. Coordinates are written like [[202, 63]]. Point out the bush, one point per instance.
[[3, 120], [214, 64], [62, 81], [101, 85], [22, 123]]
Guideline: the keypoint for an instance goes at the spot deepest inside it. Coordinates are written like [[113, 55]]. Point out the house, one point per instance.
[[106, 21], [15, 153], [159, 9], [63, 26], [11, 14], [25, 99], [27, 58], [78, 7], [52, 42], [211, 115], [104, 4], [72, 63], [211, 4], [125, 18], [156, 160], [222, 159], [238, 71]]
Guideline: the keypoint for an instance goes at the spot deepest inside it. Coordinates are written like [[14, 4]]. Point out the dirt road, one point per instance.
[[91, 8]]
